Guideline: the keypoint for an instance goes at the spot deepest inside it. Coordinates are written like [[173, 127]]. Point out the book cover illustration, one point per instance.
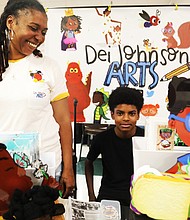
[[165, 138], [23, 147]]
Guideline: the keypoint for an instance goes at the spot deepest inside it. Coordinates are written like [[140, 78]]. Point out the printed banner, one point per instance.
[[102, 48]]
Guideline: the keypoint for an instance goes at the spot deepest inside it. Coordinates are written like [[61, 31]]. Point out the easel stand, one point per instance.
[[75, 102]]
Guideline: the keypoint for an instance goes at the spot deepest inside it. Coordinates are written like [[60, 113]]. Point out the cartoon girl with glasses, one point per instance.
[[179, 107]]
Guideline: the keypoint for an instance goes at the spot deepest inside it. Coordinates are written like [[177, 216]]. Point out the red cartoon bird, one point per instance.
[[153, 20]]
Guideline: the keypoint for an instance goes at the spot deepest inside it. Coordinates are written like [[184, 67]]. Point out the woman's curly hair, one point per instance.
[[13, 7]]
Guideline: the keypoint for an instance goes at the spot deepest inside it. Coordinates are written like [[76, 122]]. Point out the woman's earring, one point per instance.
[[7, 34], [10, 35]]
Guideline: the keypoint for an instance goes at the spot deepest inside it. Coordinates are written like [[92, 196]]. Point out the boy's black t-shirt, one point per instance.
[[117, 161]]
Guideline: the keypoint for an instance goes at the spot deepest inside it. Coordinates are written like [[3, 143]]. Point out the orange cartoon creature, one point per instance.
[[149, 109], [183, 35], [78, 91], [11, 177]]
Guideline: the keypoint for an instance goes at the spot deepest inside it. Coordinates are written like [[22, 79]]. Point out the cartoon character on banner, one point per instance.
[[109, 30], [117, 35], [183, 34], [149, 110], [78, 90], [179, 107], [148, 45], [70, 26], [153, 20], [100, 100]]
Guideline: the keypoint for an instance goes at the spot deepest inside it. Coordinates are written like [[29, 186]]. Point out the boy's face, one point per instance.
[[125, 117]]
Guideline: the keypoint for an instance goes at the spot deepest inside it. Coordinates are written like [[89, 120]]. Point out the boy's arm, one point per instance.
[[89, 173]]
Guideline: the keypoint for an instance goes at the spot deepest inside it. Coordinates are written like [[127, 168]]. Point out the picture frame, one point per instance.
[[165, 137]]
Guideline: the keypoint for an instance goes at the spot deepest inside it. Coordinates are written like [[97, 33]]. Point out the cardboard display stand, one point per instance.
[[160, 160]]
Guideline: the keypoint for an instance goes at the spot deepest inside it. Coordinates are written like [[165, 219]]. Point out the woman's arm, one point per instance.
[[62, 117], [89, 173]]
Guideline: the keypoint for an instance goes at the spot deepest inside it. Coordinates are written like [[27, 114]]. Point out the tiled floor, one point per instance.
[[82, 193]]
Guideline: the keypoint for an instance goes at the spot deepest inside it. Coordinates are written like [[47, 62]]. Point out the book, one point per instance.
[[165, 138], [22, 144], [106, 209], [80, 209], [24, 149]]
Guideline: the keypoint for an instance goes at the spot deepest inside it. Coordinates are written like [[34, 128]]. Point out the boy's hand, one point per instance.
[[92, 197]]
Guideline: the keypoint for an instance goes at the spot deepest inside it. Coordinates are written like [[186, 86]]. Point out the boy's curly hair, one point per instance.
[[126, 95]]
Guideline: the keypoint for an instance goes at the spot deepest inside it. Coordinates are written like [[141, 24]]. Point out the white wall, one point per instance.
[[53, 3], [72, 3]]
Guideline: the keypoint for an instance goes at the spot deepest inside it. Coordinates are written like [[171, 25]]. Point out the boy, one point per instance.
[[115, 147]]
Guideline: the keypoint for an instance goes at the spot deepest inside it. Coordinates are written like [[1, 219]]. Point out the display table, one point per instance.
[[161, 160]]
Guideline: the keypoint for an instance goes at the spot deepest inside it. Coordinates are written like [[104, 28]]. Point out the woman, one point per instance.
[[33, 96]]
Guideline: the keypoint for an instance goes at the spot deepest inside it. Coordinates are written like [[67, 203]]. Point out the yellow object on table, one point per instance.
[[165, 196]]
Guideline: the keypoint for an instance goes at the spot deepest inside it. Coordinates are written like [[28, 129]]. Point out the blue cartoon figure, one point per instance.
[[70, 26]]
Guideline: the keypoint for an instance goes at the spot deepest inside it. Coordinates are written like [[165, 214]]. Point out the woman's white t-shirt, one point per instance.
[[28, 87]]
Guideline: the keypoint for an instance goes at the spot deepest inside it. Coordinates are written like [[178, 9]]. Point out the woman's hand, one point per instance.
[[67, 182]]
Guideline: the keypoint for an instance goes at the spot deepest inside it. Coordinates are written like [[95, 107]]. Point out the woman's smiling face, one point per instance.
[[27, 32]]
